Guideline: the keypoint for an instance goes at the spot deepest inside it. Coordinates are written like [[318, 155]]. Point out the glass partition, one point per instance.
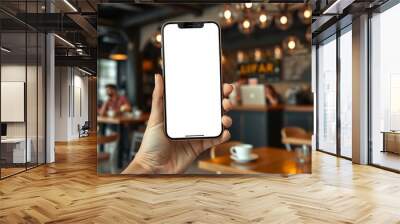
[[327, 96], [14, 151], [22, 90]]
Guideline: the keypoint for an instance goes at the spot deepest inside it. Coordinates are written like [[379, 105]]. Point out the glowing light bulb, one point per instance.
[[240, 56], [257, 55], [248, 5], [291, 44], [158, 38], [307, 13], [246, 24], [227, 14], [277, 52], [263, 18], [283, 19]]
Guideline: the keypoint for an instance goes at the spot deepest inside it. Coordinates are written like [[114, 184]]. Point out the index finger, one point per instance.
[[228, 88]]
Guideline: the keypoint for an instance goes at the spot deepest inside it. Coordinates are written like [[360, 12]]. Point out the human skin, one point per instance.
[[160, 155]]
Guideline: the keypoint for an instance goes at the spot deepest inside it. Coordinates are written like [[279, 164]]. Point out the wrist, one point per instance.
[[138, 167]]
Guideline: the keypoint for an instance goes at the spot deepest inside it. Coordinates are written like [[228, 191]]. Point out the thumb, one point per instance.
[[157, 105]]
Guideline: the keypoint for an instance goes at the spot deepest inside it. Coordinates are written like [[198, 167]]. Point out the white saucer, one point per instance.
[[252, 157]]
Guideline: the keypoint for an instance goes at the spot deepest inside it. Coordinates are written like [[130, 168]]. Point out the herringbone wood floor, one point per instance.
[[70, 191]]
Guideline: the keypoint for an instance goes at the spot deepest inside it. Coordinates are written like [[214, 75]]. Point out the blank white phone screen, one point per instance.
[[192, 81]]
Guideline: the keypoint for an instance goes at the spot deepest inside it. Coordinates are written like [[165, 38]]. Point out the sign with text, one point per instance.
[[271, 70]]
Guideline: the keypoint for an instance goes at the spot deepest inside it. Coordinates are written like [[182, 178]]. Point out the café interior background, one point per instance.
[[262, 44]]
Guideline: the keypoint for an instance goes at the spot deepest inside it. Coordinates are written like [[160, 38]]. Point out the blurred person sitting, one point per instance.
[[115, 103], [271, 95]]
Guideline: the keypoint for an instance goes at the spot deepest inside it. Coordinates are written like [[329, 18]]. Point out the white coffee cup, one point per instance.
[[111, 113], [137, 113], [242, 151]]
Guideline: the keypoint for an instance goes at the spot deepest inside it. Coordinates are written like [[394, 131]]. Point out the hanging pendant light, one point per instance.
[[264, 18], [119, 54], [284, 21], [305, 14], [246, 6], [156, 39], [227, 15], [246, 26], [291, 44]]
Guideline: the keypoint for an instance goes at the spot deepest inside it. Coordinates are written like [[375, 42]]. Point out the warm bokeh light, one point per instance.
[[263, 18], [283, 19], [240, 56], [248, 5], [257, 55], [246, 24], [277, 52], [119, 57], [227, 14], [291, 44], [307, 13], [158, 38]]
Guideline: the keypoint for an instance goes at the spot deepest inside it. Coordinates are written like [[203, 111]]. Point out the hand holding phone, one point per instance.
[[160, 155]]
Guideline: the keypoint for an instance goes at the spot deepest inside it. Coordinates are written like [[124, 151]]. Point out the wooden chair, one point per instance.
[[102, 140], [222, 149], [83, 131], [105, 139], [295, 136], [107, 158]]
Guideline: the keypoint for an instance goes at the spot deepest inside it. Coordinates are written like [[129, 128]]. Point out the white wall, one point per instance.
[[71, 102]]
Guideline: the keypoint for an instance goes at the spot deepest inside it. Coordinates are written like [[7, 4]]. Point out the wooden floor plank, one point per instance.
[[69, 191]]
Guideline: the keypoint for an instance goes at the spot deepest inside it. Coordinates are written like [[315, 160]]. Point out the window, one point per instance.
[[385, 89], [107, 75], [327, 96], [346, 93]]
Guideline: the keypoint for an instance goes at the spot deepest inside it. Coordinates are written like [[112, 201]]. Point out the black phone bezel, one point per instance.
[[192, 24]]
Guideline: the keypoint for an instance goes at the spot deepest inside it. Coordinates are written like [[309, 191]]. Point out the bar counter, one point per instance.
[[261, 125], [288, 108]]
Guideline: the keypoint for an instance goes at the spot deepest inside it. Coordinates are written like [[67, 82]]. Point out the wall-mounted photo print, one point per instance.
[[204, 89]]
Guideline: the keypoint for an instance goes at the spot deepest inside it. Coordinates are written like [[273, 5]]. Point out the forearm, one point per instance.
[[103, 110]]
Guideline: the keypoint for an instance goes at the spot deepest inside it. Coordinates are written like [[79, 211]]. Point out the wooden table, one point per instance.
[[120, 122], [123, 119], [271, 160]]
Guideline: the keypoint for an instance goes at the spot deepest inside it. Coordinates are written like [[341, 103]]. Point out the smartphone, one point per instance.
[[191, 55]]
